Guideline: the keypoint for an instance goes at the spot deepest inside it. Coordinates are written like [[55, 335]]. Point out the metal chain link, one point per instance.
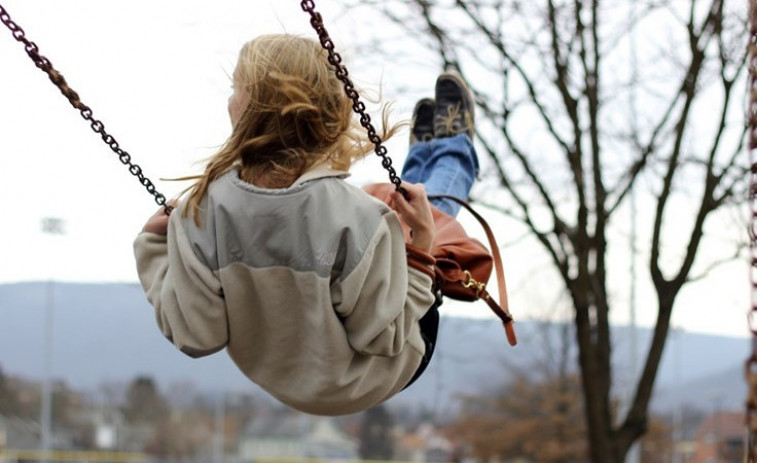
[[316, 20], [751, 363], [57, 78]]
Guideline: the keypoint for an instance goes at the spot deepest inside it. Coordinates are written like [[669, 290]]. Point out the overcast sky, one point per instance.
[[156, 74]]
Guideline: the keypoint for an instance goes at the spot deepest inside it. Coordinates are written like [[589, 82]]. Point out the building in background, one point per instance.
[[284, 434], [720, 438]]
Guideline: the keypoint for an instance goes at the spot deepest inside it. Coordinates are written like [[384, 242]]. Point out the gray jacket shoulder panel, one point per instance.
[[323, 225]]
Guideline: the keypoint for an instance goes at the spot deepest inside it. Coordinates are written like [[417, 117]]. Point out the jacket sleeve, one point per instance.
[[186, 294], [383, 298]]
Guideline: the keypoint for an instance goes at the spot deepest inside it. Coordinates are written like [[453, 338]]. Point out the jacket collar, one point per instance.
[[320, 171]]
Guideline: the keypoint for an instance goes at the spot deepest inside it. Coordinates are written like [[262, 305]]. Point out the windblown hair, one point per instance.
[[297, 116]]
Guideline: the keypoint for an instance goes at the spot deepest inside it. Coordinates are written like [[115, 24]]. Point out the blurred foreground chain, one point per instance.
[[57, 78], [316, 20], [751, 363]]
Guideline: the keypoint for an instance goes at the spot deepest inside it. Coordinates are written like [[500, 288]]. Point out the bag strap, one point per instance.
[[502, 310]]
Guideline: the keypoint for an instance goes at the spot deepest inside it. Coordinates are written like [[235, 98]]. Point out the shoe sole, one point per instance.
[[422, 102]]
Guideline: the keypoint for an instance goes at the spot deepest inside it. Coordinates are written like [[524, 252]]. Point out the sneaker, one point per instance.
[[454, 107], [422, 128]]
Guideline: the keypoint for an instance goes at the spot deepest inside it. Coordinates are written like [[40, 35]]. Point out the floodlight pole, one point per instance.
[[50, 226]]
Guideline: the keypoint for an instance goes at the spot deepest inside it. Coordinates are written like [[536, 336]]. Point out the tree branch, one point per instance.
[[574, 152], [498, 44], [688, 90]]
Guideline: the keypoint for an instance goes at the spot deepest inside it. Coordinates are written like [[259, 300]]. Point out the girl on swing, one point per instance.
[[306, 280]]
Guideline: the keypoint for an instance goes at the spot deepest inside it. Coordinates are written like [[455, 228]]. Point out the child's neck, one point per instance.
[[265, 179]]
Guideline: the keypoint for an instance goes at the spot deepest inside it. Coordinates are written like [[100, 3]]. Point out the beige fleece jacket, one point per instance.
[[308, 288]]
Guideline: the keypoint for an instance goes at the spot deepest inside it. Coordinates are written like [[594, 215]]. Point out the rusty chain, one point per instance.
[[316, 20], [751, 363], [57, 78]]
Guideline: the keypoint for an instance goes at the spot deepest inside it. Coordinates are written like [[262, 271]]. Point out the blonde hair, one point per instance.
[[297, 115]]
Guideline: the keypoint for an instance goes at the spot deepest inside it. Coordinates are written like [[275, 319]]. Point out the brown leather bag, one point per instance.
[[463, 264]]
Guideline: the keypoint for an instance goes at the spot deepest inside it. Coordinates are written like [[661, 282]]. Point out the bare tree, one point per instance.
[[144, 404], [8, 397], [580, 104], [376, 440], [536, 415]]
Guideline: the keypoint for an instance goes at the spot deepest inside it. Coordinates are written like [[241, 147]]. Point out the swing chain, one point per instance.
[[316, 20], [751, 363], [97, 126]]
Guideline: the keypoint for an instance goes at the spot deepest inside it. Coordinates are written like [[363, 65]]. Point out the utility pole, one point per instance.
[[634, 453], [50, 226], [677, 436]]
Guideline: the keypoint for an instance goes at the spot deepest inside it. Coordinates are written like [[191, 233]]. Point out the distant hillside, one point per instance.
[[107, 333]]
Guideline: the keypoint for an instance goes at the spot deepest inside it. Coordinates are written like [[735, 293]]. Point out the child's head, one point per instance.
[[288, 111]]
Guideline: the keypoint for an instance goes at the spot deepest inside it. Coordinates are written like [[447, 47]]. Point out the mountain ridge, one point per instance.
[[106, 332]]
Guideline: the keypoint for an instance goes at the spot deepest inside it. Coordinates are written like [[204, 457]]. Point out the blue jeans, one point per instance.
[[444, 166]]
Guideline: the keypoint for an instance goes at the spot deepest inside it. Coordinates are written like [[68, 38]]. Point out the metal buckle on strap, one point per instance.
[[470, 282]]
